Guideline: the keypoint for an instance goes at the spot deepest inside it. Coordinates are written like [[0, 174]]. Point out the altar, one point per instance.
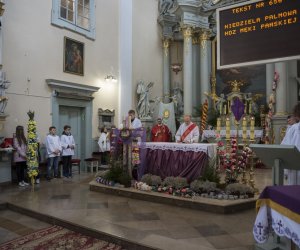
[[210, 135], [177, 159]]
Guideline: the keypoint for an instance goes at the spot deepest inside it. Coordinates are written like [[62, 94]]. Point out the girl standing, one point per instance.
[[20, 145]]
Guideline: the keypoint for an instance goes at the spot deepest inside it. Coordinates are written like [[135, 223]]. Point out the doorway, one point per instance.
[[73, 116]]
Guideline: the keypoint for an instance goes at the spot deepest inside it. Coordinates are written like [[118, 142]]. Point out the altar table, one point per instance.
[[279, 210], [207, 134], [177, 159]]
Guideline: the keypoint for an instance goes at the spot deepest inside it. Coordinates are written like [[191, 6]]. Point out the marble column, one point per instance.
[[279, 119], [204, 64], [187, 70], [195, 72], [166, 70], [270, 68]]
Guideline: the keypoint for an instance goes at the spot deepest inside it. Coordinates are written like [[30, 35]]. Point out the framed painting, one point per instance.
[[73, 56]]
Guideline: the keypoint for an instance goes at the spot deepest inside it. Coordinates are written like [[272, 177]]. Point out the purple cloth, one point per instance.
[[166, 163], [286, 196], [238, 109]]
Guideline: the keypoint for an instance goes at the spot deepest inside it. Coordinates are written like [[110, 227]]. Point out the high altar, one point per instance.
[[189, 64]]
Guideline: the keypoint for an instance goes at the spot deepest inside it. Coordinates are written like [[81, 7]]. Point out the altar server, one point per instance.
[[292, 137], [160, 132], [135, 122], [104, 145], [68, 146], [54, 149], [188, 132]]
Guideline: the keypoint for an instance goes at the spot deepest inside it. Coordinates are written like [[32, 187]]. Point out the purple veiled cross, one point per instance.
[[238, 109]]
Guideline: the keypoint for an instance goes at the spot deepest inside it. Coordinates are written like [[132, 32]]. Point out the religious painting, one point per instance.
[[253, 79], [73, 56]]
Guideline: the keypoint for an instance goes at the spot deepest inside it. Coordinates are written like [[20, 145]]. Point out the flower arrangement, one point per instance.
[[32, 147], [229, 160]]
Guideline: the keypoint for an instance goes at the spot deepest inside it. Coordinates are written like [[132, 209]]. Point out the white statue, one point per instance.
[[143, 106], [4, 84], [165, 6], [178, 100]]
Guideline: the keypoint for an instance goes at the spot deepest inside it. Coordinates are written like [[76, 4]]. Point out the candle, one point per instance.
[[218, 125], [204, 116], [225, 109], [252, 124], [244, 125], [227, 128]]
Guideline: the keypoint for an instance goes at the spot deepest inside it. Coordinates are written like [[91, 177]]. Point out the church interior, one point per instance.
[[157, 124]]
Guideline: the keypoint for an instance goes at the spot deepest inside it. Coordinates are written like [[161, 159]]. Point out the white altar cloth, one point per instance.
[[209, 148], [212, 134], [268, 220]]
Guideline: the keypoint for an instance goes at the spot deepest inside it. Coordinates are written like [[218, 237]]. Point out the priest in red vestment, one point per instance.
[[160, 132]]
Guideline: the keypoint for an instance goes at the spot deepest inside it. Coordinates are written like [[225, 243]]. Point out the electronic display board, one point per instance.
[[257, 32]]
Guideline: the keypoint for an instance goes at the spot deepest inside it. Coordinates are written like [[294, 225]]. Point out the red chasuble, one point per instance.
[[160, 133]]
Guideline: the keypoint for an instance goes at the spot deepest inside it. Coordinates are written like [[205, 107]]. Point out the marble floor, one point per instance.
[[14, 225], [156, 225]]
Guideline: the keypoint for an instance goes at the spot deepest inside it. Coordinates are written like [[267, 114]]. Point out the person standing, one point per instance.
[[292, 137], [104, 146], [135, 122], [68, 146], [160, 132], [20, 157], [54, 149], [188, 132]]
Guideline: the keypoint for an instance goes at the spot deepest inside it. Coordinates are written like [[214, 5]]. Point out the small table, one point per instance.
[[177, 159], [279, 211]]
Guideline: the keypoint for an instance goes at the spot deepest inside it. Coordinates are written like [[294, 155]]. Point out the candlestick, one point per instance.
[[252, 124], [204, 116], [227, 123], [218, 125], [244, 125]]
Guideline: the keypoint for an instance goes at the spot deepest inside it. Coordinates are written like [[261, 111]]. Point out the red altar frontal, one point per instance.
[[177, 159]]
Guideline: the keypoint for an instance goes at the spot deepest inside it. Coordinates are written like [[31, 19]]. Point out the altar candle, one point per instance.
[[225, 109], [227, 128], [244, 125], [250, 108], [218, 125], [252, 124]]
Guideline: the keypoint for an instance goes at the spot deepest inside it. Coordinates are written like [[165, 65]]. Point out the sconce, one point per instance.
[[110, 78], [1, 8]]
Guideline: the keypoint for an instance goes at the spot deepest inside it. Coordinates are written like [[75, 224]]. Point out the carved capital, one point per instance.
[[187, 32], [1, 8], [195, 40], [166, 43], [204, 35]]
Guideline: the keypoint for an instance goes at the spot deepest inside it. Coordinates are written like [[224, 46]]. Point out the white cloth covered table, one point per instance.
[[209, 148]]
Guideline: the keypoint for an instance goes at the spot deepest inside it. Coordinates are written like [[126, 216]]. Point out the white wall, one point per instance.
[[33, 49], [147, 46], [33, 52]]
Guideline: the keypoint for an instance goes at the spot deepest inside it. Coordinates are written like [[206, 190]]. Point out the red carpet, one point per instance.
[[58, 238]]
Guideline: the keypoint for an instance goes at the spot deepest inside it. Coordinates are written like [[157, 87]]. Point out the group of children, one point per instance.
[[56, 147]]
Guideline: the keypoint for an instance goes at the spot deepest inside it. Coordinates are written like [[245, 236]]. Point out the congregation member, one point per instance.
[[20, 155], [68, 146], [160, 132], [135, 122], [53, 146], [292, 137], [104, 145], [188, 132]]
